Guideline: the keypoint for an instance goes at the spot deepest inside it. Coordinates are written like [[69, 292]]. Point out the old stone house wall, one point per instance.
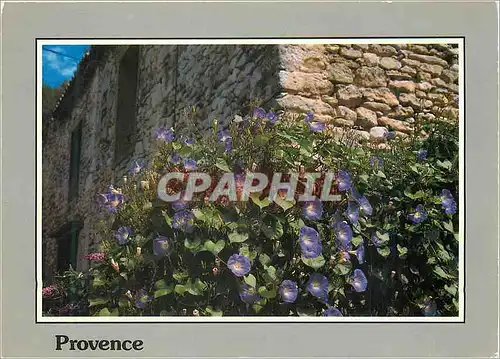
[[365, 87]]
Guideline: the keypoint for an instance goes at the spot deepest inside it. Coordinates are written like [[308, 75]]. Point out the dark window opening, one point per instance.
[[126, 107], [67, 246], [74, 174]]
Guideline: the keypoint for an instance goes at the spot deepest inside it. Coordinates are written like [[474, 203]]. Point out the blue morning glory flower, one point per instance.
[[188, 141], [176, 159], [288, 291], [223, 136], [317, 285], [364, 204], [310, 243], [136, 167], [239, 265], [360, 253], [343, 234], [448, 202], [353, 212], [165, 134], [343, 181], [259, 113], [227, 146], [419, 215], [315, 126], [273, 117], [421, 154], [313, 210], [142, 299], [184, 221], [248, 294], [189, 165], [358, 280], [113, 201], [179, 204], [123, 235], [162, 246], [430, 308], [376, 162], [332, 312], [377, 242]]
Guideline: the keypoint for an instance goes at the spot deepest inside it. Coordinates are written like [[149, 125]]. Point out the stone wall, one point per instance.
[[370, 88], [367, 88], [217, 80]]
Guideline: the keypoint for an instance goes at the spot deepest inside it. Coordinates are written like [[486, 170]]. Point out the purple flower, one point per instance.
[[189, 165], [176, 159], [421, 154], [317, 285], [343, 234], [142, 299], [430, 308], [179, 204], [136, 167], [288, 291], [123, 235], [376, 162], [358, 280], [343, 181], [419, 215], [377, 242], [363, 202], [309, 242], [360, 253], [227, 146], [353, 211], [188, 141], [273, 117], [248, 294], [239, 265], [184, 221], [223, 136], [259, 113], [112, 201], [448, 202], [313, 210], [315, 126], [162, 246], [332, 312], [165, 134]]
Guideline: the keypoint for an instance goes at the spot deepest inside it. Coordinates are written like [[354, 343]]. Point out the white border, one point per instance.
[[275, 319]]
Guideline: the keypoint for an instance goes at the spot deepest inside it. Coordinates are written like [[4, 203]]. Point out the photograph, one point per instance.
[[284, 180]]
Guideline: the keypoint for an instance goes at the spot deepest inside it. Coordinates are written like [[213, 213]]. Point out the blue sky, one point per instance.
[[56, 67]]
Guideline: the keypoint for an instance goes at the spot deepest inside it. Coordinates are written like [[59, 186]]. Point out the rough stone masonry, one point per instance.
[[365, 88]]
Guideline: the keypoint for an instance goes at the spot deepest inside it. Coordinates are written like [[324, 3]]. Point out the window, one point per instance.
[[126, 107], [74, 173], [67, 246]]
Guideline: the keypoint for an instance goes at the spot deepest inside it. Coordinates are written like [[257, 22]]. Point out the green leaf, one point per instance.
[[176, 145], [104, 312], [271, 271], [185, 151], [267, 293], [315, 263], [343, 268], [306, 312], [445, 164], [440, 272], [192, 244], [124, 303], [180, 289], [98, 301], [452, 290], [448, 226], [283, 203], [402, 250], [261, 140], [272, 228], [222, 164], [214, 248], [97, 282], [196, 288], [214, 312], [250, 280], [384, 251], [264, 259], [261, 203], [357, 240], [236, 237], [163, 292], [180, 276], [416, 195], [380, 174], [383, 237]]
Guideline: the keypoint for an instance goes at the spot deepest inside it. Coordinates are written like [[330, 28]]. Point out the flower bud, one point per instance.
[[215, 270], [138, 251], [115, 265], [196, 313], [184, 311], [129, 295], [124, 179]]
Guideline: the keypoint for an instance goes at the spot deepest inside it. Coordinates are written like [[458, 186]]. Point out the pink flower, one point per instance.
[[49, 291], [96, 256]]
